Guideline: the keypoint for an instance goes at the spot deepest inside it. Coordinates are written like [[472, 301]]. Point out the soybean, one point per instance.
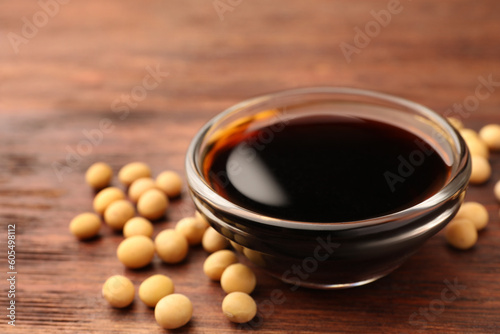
[[171, 246], [213, 241], [474, 143], [152, 204], [173, 311], [481, 170], [477, 147], [496, 191], [118, 291], [456, 123], [118, 213], [192, 229], [490, 135], [202, 218], [136, 251], [461, 233], [139, 187], [475, 212], [154, 288], [99, 175], [216, 263], [238, 277], [468, 134], [105, 197], [170, 183], [138, 226], [85, 225], [133, 171], [239, 307]]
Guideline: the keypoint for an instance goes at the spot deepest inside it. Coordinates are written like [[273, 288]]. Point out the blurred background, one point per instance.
[[217, 53]]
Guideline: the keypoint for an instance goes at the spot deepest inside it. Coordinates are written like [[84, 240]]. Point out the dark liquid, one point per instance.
[[324, 169]]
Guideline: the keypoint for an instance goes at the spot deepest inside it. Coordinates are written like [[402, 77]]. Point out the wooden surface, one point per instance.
[[75, 71]]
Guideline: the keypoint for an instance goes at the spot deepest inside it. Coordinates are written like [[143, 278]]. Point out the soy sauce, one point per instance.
[[324, 168]]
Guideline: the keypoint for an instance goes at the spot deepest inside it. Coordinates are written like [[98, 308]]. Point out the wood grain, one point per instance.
[[79, 66]]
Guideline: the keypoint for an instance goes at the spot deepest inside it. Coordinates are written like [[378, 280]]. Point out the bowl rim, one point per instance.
[[457, 181]]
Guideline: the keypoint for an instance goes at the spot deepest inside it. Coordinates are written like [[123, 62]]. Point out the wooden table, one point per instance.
[[74, 89]]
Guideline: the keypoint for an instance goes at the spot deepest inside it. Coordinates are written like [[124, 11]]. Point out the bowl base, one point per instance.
[[334, 286]]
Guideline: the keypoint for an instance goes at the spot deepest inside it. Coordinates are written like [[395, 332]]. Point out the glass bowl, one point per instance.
[[331, 254]]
